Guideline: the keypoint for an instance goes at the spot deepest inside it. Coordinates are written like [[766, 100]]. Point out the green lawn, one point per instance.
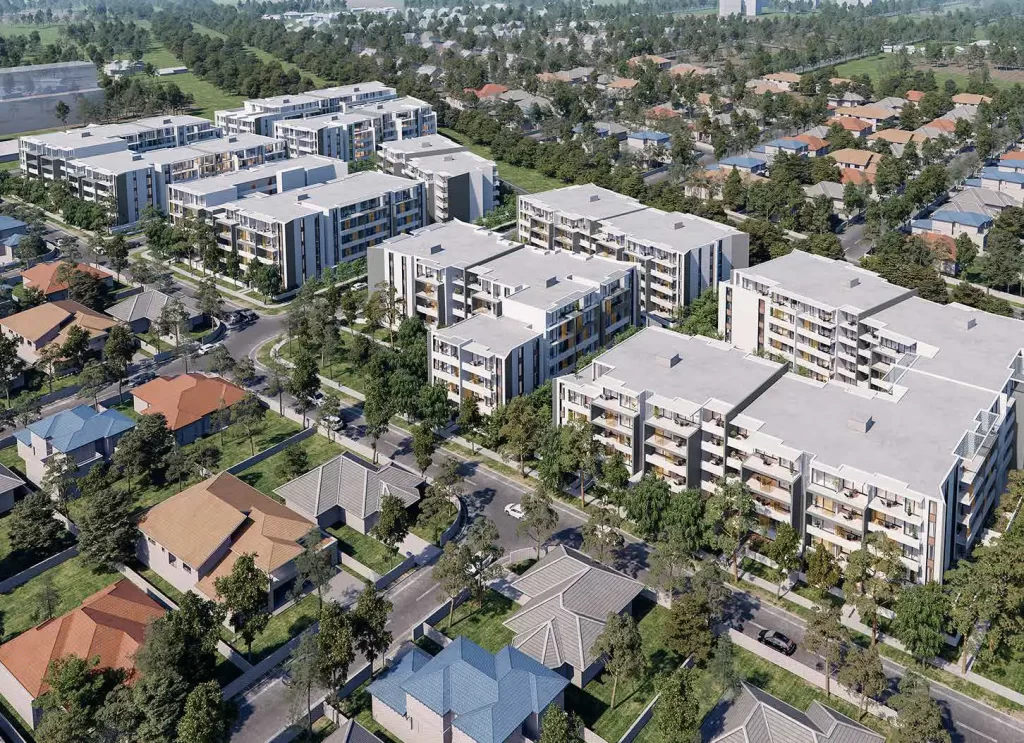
[[483, 623], [12, 563], [48, 32], [159, 583], [367, 550], [271, 472], [37, 383], [876, 65], [341, 371], [9, 458], [527, 179], [10, 165], [208, 97], [281, 628], [1006, 671], [72, 582], [429, 529]]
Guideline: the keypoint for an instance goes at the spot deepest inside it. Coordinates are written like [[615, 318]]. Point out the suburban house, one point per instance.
[[348, 490], [86, 435], [189, 402], [955, 223], [109, 625], [782, 80], [141, 312], [875, 115], [970, 100], [786, 146], [857, 127], [465, 694], [865, 160], [195, 537], [11, 233], [11, 487], [658, 61], [943, 248], [44, 277], [834, 192], [569, 599], [748, 163], [1003, 181], [898, 139], [984, 200], [750, 714], [48, 323]]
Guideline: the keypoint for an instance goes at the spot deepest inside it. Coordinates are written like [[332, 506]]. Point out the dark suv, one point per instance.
[[776, 641]]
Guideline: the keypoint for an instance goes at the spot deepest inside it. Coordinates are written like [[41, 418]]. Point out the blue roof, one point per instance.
[[12, 241], [70, 429], [973, 182], [650, 136], [1012, 162], [1000, 175], [740, 161], [10, 223], [972, 219], [922, 224], [489, 695], [788, 144]]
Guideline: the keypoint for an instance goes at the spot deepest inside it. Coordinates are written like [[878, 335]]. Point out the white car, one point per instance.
[[515, 510], [205, 349]]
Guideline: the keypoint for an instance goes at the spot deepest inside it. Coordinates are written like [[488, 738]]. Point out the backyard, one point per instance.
[[364, 548], [11, 562], [482, 623], [273, 472]]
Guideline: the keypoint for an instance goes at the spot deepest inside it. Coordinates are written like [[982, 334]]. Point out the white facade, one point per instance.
[[460, 185]]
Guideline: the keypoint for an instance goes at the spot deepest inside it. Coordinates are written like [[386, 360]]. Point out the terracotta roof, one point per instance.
[[186, 398], [914, 96], [898, 136], [196, 521], [943, 246], [840, 80], [850, 123], [489, 90], [704, 99], [548, 77], [110, 624], [783, 77], [814, 143], [1013, 155], [648, 58], [760, 87], [859, 177], [34, 323], [945, 125], [970, 99], [43, 276], [866, 112], [688, 69], [863, 158], [623, 83], [662, 112]]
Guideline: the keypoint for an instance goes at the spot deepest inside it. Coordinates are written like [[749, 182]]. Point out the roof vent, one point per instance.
[[286, 100], [594, 197], [971, 322], [552, 280], [232, 140], [302, 197], [678, 225], [852, 283], [136, 157], [435, 249], [425, 145], [667, 361], [449, 158], [86, 134], [167, 121], [860, 424]]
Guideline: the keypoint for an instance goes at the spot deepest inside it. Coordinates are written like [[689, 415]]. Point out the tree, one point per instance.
[[877, 571], [93, 379], [677, 714], [76, 689], [469, 418], [144, 450], [277, 381], [862, 673], [11, 365], [313, 567], [424, 444], [722, 666], [966, 251], [117, 249], [220, 361], [172, 319], [582, 452], [823, 571], [826, 636], [350, 305], [250, 415], [691, 632], [46, 600], [970, 596], [209, 300], [33, 528], [337, 650], [700, 317], [646, 504], [1001, 265], [118, 351], [520, 429], [296, 461], [614, 476], [208, 717], [369, 624], [304, 671], [244, 595], [621, 647], [377, 411], [49, 357], [108, 533], [305, 380], [734, 191], [600, 533], [539, 518], [266, 279], [244, 372], [62, 111], [730, 516], [393, 523], [451, 573], [783, 551], [920, 622], [75, 347], [59, 478], [919, 719], [559, 726], [482, 540]]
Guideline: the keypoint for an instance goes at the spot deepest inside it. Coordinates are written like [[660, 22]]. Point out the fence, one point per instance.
[[262, 668], [450, 533], [640, 723], [379, 580], [40, 567], [271, 451]]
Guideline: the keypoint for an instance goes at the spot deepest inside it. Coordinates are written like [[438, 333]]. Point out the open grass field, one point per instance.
[[264, 56], [875, 66], [48, 32], [527, 179], [209, 98]]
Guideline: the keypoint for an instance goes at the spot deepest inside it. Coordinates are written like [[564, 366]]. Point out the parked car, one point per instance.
[[485, 563], [205, 349], [515, 510], [358, 286], [234, 320], [776, 641], [249, 315], [141, 378]]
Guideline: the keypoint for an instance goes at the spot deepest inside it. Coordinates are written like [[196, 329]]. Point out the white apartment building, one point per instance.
[[571, 218], [805, 310], [460, 185], [664, 401], [198, 198], [393, 156], [257, 116], [306, 230]]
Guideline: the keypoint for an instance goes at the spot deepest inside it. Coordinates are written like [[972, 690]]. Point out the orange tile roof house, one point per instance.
[[816, 146], [898, 136], [48, 323], [785, 80], [856, 159], [914, 96], [874, 115], [490, 90], [660, 62], [858, 127], [187, 401], [43, 276], [195, 537], [970, 99], [110, 625]]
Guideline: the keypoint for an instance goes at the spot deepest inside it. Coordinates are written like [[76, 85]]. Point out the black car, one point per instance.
[[142, 377], [776, 641], [249, 315], [234, 320]]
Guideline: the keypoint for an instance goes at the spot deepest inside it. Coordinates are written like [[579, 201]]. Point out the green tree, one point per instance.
[[337, 645], [582, 452], [11, 365], [220, 361], [244, 594], [969, 594], [559, 726], [75, 347], [783, 551], [208, 717], [877, 572], [690, 627], [646, 503], [424, 444], [451, 573], [118, 351], [209, 300], [278, 380], [469, 419], [919, 719], [108, 533], [1002, 264], [393, 523], [966, 251], [539, 518], [59, 476], [920, 622], [92, 380], [826, 636], [700, 317], [313, 567], [33, 528], [369, 624], [304, 671], [378, 408], [823, 572], [483, 541], [677, 714], [519, 430], [730, 516], [621, 647], [734, 191], [144, 450], [250, 415], [62, 111], [600, 533], [862, 673]]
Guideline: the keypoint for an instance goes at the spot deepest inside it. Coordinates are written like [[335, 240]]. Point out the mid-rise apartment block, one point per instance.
[[198, 198], [257, 116], [307, 230], [679, 255], [393, 156], [460, 185]]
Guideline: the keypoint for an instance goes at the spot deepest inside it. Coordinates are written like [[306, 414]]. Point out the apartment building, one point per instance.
[[198, 198], [403, 118], [665, 401], [570, 218], [257, 116], [460, 185], [805, 310], [306, 230], [393, 156], [679, 256], [46, 155]]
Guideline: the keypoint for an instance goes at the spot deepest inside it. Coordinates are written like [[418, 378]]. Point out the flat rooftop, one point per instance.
[[267, 170], [316, 123], [534, 267], [427, 145], [452, 244], [126, 161], [451, 163], [394, 105], [587, 200], [826, 282], [911, 440], [85, 136], [967, 345], [487, 334], [678, 368], [673, 230]]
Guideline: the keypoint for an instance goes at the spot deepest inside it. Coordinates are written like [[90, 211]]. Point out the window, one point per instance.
[[172, 559], [187, 568]]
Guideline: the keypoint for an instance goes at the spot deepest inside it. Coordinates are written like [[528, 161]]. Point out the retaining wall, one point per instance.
[[40, 567], [640, 723], [271, 451]]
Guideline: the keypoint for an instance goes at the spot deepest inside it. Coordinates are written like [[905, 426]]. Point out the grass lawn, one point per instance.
[[527, 179], [367, 550], [37, 383], [281, 628], [12, 563], [429, 529], [9, 458], [876, 65], [11, 165], [159, 583], [271, 472], [48, 32], [72, 582], [208, 97], [482, 624], [341, 371], [1006, 671]]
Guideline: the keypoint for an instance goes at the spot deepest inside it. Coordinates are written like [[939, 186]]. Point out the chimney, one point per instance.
[[851, 283], [666, 362], [860, 424], [971, 322]]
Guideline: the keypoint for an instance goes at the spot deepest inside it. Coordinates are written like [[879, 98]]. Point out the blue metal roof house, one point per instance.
[[743, 162], [11, 226], [482, 697], [646, 136], [82, 433], [967, 218]]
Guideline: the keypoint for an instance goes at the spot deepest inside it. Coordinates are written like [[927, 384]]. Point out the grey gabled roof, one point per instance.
[[352, 732], [751, 715], [8, 480], [352, 483], [146, 304], [570, 599]]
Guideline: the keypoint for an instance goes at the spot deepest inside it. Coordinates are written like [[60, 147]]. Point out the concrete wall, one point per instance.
[[40, 567], [18, 697], [271, 451]]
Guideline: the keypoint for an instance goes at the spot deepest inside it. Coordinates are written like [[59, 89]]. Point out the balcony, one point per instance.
[[576, 407], [613, 424], [714, 467], [712, 448], [679, 426], [895, 510], [846, 496], [776, 514], [847, 519], [666, 443], [675, 466], [757, 463], [613, 443], [444, 375], [895, 533], [479, 386], [765, 487], [613, 404], [839, 538]]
